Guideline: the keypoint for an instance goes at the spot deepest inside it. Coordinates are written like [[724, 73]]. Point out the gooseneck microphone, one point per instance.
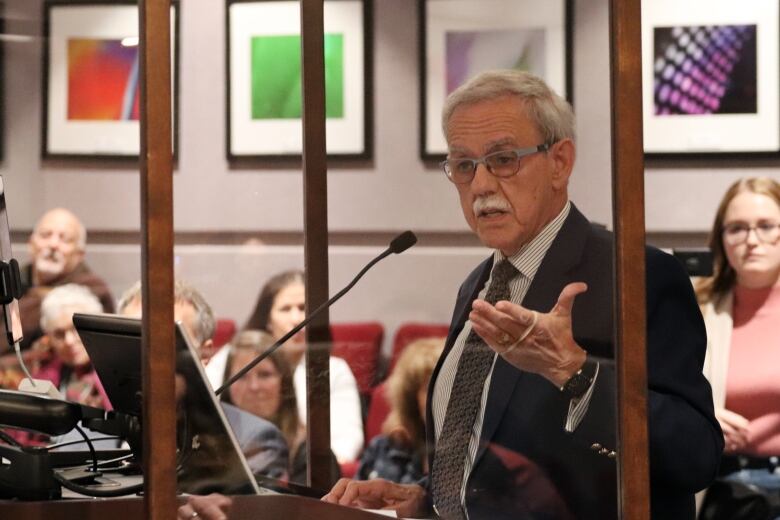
[[398, 245]]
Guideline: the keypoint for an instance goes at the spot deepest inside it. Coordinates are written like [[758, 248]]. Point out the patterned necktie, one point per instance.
[[474, 365]]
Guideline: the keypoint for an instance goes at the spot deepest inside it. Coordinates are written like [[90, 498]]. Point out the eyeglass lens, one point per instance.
[[767, 232], [501, 164]]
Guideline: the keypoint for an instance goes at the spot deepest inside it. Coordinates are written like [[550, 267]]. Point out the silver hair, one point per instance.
[[70, 297], [183, 292], [551, 114], [81, 231]]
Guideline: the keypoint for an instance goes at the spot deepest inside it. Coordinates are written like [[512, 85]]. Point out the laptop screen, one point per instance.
[[208, 457]]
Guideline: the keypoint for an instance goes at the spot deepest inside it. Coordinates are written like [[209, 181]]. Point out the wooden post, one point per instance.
[[629, 221], [159, 408], [315, 192]]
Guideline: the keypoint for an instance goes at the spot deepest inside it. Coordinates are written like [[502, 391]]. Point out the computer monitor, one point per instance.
[[209, 459]]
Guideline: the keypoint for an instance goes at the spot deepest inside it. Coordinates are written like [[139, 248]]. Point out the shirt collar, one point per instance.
[[528, 259]]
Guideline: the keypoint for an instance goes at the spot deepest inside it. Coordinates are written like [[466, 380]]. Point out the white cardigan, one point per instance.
[[719, 322], [718, 319], [346, 417]]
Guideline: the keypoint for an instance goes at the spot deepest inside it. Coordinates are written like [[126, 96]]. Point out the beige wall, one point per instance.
[[394, 191]]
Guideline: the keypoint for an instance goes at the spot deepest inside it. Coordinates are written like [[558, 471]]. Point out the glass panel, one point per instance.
[[69, 120], [239, 214], [667, 40]]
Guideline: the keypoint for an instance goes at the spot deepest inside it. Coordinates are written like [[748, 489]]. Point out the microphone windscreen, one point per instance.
[[403, 242]]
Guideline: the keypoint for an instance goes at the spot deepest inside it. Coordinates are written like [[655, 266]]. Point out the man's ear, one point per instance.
[[78, 256], [562, 154], [207, 350]]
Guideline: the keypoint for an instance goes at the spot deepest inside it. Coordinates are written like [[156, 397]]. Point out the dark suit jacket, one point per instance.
[[527, 466], [32, 297]]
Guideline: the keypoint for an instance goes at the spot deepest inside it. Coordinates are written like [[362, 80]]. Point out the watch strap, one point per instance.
[[578, 384]]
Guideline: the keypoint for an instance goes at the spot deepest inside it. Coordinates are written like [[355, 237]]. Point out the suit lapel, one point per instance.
[[554, 273]]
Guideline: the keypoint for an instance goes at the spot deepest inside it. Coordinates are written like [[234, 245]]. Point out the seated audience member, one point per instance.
[[279, 308], [398, 454], [260, 441], [189, 307], [267, 391], [69, 367], [56, 258], [741, 308], [65, 360]]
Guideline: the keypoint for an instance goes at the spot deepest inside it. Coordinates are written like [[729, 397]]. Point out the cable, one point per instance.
[[91, 448], [18, 350], [118, 459], [80, 441], [99, 493]]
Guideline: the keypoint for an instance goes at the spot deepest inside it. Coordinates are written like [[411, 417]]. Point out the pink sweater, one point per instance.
[[753, 384]]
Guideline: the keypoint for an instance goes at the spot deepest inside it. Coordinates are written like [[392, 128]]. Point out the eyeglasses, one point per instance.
[[504, 163], [738, 232], [62, 334]]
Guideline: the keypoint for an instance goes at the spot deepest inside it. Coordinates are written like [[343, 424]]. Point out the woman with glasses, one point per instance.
[[280, 307], [267, 391], [741, 308]]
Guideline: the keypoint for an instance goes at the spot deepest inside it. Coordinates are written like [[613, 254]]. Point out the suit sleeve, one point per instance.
[[685, 440]]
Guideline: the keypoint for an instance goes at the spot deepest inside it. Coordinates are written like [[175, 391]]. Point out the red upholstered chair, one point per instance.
[[224, 332], [359, 345], [377, 411], [409, 332]]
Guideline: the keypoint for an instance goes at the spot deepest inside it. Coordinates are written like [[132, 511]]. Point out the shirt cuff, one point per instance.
[[579, 407]]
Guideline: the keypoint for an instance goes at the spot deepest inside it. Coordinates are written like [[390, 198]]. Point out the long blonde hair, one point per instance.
[[724, 277], [405, 423]]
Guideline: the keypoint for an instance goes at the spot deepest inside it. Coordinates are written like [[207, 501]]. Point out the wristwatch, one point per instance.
[[579, 383]]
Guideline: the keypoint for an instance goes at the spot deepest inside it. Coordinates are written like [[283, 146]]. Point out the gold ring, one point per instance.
[[534, 317]]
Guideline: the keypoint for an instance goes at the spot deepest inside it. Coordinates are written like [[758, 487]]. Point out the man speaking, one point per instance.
[[521, 407]]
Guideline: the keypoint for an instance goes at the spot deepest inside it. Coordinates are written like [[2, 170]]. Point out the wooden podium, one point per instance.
[[254, 507]]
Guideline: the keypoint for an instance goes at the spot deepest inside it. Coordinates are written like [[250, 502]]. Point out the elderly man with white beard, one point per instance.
[[56, 248]]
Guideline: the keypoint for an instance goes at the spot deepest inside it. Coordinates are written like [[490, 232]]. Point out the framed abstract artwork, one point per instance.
[[264, 103], [91, 81], [711, 78], [462, 38]]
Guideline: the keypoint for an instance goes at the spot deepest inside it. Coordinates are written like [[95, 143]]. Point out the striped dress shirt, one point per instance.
[[527, 261]]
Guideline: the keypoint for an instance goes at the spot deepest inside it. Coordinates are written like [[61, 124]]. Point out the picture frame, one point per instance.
[[263, 64], [462, 38], [91, 80], [711, 79]]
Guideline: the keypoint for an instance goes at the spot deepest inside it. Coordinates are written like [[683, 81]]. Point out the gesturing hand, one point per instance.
[[536, 342], [405, 499]]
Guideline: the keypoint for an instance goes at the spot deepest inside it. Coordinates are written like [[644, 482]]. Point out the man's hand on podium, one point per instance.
[[209, 507], [407, 500]]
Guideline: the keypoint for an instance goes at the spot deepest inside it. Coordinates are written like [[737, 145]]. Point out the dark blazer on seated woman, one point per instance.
[[526, 463]]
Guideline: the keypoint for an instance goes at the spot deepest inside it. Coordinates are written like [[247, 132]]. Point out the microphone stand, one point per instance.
[[400, 244]]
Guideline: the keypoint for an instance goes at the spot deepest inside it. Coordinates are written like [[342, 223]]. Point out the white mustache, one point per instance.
[[490, 203], [53, 255]]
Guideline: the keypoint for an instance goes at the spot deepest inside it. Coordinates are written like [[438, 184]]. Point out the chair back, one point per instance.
[[408, 332], [359, 344]]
